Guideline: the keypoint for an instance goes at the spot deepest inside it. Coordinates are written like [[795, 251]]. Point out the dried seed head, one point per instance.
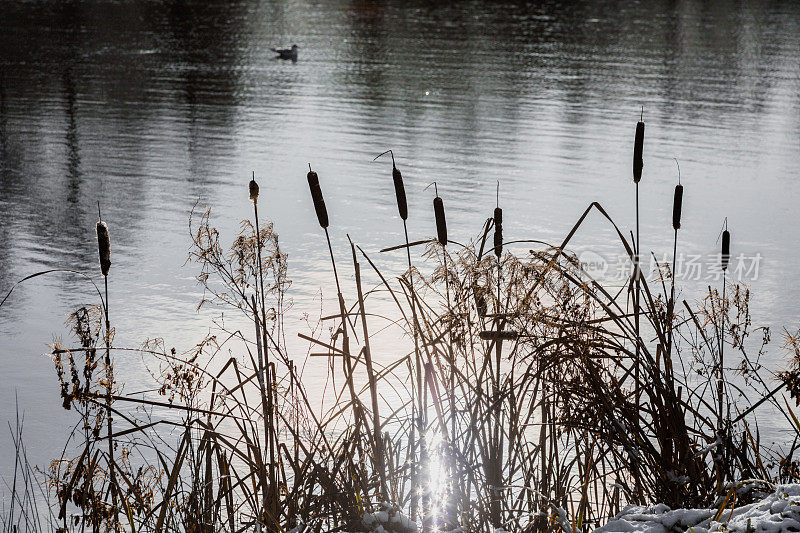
[[399, 189], [254, 189], [726, 249], [400, 192], [498, 232], [316, 195], [441, 223], [104, 247], [677, 204], [480, 300], [638, 146]]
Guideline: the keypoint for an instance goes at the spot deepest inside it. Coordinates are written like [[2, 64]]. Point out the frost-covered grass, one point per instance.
[[779, 512]]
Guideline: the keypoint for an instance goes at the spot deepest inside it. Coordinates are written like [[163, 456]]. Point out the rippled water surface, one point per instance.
[[148, 106]]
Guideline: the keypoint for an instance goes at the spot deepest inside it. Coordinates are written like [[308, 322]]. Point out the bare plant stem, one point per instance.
[[418, 409], [638, 340], [264, 408], [721, 381], [348, 364], [671, 309], [380, 462], [109, 391], [270, 431], [637, 276]]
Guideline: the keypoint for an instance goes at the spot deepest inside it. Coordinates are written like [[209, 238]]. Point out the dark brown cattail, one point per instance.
[[498, 231], [399, 189], [316, 195], [677, 204], [254, 189], [726, 249], [400, 192], [637, 152], [104, 247], [441, 223]]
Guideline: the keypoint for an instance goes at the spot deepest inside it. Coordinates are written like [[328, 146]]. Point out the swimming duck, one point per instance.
[[287, 53]]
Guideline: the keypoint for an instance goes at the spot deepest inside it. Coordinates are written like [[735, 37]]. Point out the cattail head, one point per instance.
[[677, 204], [399, 189], [638, 146], [316, 195], [104, 247], [400, 192], [498, 231], [254, 189], [726, 249], [441, 222]]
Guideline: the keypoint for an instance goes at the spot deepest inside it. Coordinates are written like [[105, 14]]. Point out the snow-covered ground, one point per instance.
[[777, 512]]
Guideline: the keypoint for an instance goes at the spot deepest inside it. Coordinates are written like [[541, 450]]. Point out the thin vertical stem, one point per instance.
[[348, 368], [636, 306], [417, 409], [636, 368], [721, 372], [270, 434], [109, 391], [264, 409], [671, 310], [418, 360]]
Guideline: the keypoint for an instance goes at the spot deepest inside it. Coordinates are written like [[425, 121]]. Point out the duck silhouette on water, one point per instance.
[[286, 53]]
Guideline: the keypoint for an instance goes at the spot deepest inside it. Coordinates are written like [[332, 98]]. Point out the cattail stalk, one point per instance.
[[494, 503], [441, 235], [416, 408], [322, 218], [104, 250], [265, 483], [498, 252], [724, 259], [677, 206], [638, 164], [269, 493]]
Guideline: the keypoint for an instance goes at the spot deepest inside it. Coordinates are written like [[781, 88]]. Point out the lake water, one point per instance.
[[149, 106]]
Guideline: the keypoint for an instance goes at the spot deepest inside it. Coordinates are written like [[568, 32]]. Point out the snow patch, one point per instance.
[[778, 512]]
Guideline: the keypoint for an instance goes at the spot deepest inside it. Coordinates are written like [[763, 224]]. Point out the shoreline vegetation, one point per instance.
[[531, 397]]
